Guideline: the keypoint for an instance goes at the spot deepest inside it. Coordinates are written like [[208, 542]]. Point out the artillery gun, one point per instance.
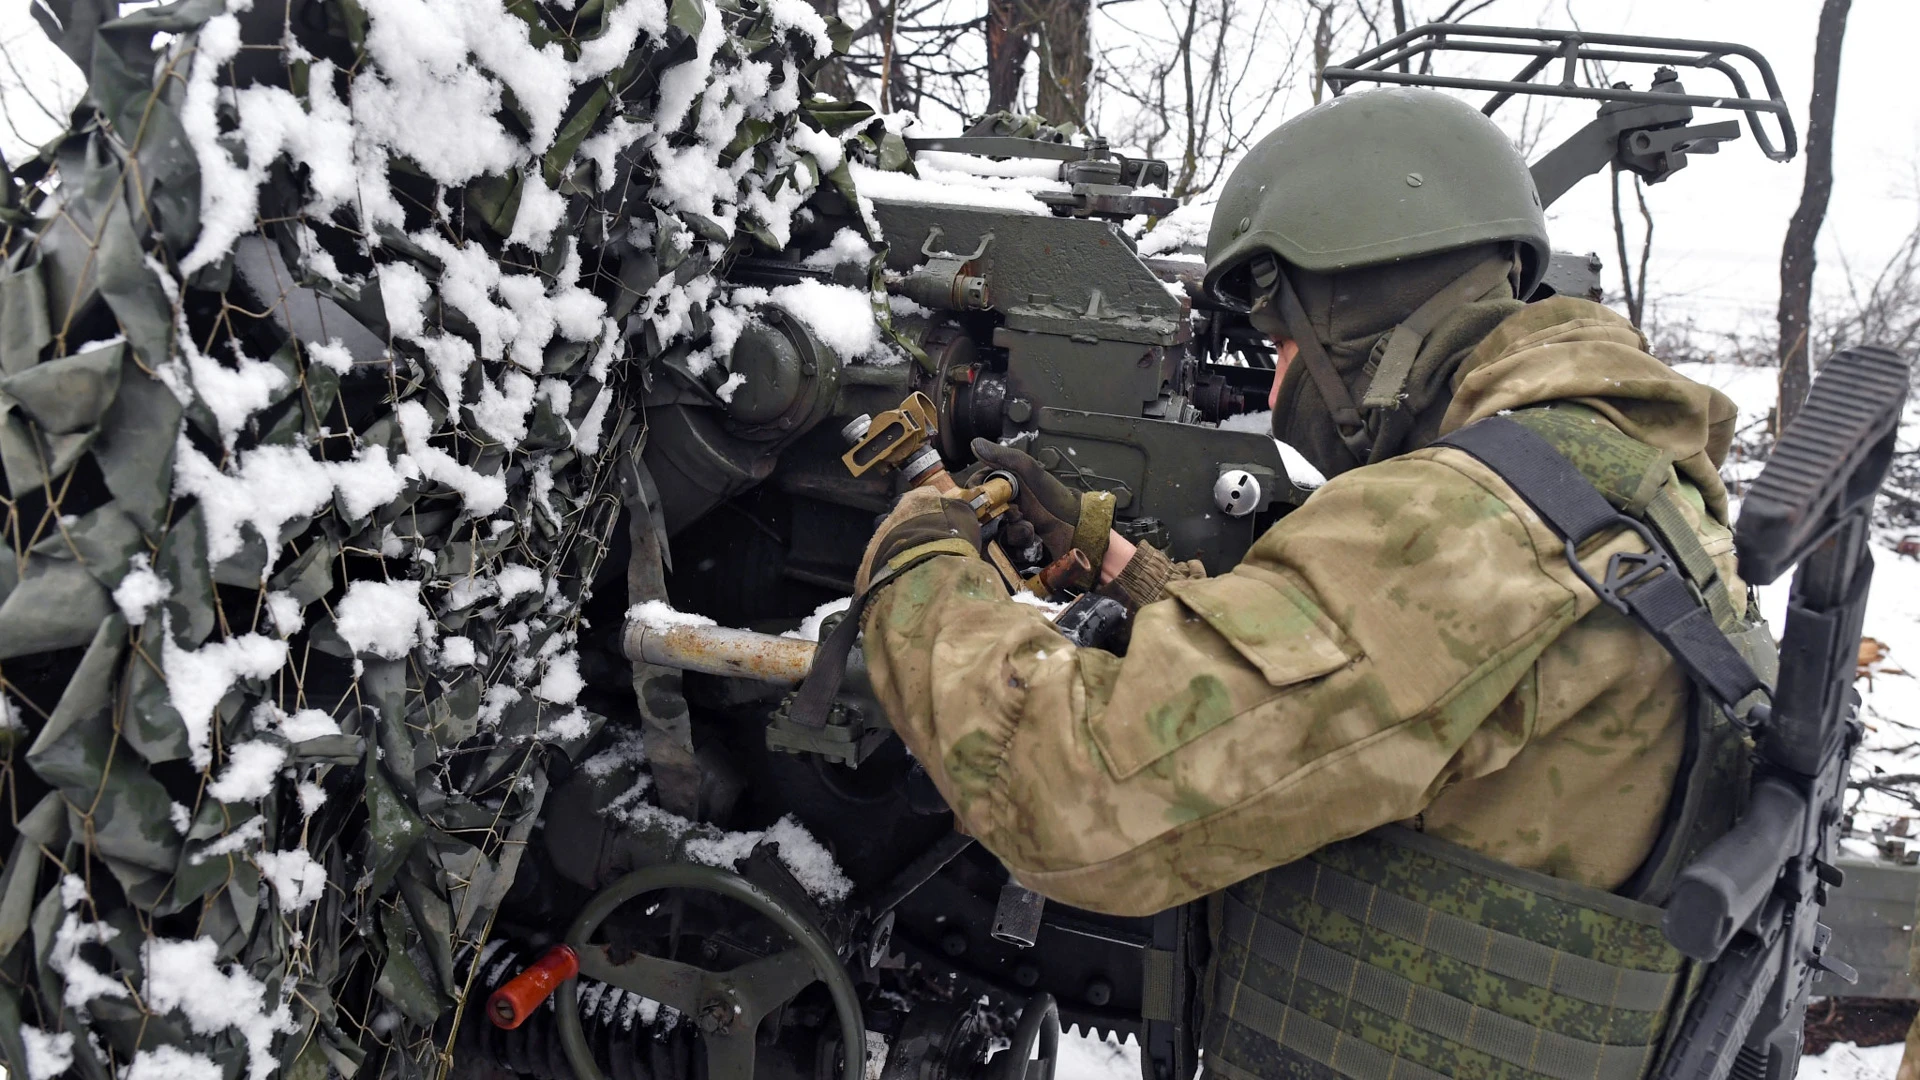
[[1040, 324]]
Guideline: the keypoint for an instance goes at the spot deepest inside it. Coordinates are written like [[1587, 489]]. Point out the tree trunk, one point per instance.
[[1066, 60], [1322, 44], [1007, 30], [1796, 254]]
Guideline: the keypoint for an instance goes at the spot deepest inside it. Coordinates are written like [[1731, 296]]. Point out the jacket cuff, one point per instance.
[[1144, 579]]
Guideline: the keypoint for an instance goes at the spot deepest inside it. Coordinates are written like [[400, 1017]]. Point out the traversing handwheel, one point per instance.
[[725, 1006], [1039, 1031]]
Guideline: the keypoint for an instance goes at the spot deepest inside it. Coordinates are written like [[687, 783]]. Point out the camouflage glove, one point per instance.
[[924, 523], [1062, 517]]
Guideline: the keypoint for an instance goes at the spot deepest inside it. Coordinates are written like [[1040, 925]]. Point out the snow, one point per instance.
[[287, 613], [404, 292], [586, 438], [457, 652], [628, 748], [83, 981], [561, 683], [1084, 1056], [197, 679], [809, 861], [1845, 1061], [847, 247], [1299, 469], [941, 187], [502, 409], [248, 777], [298, 881], [384, 618], [334, 356], [809, 628], [1181, 232], [1023, 596], [48, 1054], [171, 1063], [183, 975], [306, 724], [482, 494], [944, 161], [660, 615], [235, 841], [231, 394], [800, 15], [312, 798], [569, 726], [811, 864], [517, 580], [140, 591], [841, 317], [275, 485]]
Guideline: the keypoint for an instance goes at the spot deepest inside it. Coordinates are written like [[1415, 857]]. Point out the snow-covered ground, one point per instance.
[[1084, 1058], [1845, 1061]]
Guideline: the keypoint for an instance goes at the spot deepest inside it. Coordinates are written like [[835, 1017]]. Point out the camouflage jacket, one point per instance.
[[1409, 645]]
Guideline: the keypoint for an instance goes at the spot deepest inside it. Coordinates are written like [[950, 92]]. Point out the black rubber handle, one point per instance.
[[1716, 895]]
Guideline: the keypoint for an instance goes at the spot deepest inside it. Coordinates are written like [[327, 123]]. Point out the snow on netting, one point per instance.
[[321, 331]]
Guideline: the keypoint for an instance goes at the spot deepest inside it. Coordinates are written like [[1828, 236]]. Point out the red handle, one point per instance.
[[509, 1006]]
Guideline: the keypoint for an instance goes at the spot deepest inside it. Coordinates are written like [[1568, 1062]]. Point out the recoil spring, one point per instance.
[[631, 1036]]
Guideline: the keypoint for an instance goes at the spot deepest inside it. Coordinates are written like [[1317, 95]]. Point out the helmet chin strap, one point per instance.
[[1346, 418], [1374, 427]]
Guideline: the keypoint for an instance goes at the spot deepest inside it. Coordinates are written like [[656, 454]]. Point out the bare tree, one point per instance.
[[1195, 80], [1883, 310], [1007, 48], [1796, 254], [1633, 281], [1065, 44]]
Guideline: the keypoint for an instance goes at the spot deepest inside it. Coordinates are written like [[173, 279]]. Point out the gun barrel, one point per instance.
[[1719, 892], [720, 650]]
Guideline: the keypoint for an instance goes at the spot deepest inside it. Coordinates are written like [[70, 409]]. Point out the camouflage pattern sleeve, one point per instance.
[[1363, 657]]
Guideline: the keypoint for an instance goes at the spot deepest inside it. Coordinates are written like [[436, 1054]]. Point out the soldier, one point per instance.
[[1430, 784]]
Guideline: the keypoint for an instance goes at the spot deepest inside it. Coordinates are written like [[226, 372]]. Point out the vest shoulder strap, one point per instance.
[[1650, 587]]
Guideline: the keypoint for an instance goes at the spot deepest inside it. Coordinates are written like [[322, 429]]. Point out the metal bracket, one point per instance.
[[935, 232]]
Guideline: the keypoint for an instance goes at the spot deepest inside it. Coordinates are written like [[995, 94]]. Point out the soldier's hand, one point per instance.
[[922, 519], [1062, 517]]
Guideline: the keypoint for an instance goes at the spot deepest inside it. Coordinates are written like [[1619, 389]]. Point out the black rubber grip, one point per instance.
[[1719, 891], [1831, 459]]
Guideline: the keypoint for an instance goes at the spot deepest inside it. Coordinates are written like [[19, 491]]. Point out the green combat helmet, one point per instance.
[[1385, 179]]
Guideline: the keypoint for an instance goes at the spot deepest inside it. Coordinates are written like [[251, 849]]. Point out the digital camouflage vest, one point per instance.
[[1397, 954]]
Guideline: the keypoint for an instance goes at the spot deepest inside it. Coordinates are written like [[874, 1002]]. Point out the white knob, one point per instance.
[[1237, 492]]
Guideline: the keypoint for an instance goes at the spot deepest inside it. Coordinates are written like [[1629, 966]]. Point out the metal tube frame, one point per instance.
[[1543, 47]]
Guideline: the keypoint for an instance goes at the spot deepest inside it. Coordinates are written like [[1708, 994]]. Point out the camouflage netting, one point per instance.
[[320, 332]]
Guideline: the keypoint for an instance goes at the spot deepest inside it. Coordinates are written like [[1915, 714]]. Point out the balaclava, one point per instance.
[[1352, 315]]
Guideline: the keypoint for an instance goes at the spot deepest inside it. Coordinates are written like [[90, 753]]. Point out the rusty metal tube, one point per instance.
[[720, 650]]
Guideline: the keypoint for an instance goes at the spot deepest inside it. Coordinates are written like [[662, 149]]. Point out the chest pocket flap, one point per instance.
[[1222, 647]]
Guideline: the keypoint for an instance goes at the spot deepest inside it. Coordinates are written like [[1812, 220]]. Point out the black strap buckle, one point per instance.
[[1626, 570]]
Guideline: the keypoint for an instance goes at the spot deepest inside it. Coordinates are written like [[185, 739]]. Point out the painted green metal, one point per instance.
[[1872, 917]]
